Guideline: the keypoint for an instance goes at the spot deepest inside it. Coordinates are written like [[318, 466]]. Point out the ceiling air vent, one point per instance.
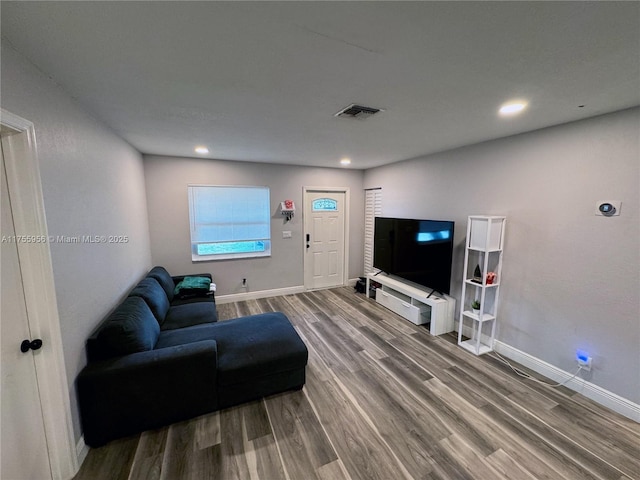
[[357, 111]]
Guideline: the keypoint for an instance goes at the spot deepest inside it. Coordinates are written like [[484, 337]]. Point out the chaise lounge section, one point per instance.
[[150, 366]]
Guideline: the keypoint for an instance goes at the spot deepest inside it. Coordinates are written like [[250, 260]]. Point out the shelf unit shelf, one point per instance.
[[476, 316], [483, 252], [476, 284], [471, 346]]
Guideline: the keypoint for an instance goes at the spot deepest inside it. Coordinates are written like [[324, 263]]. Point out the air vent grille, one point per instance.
[[357, 111]]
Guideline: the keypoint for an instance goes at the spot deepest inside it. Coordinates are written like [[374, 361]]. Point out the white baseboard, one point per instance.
[[82, 450], [239, 297], [594, 392]]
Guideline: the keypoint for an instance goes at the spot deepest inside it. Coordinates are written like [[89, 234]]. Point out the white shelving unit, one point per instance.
[[485, 240], [414, 303]]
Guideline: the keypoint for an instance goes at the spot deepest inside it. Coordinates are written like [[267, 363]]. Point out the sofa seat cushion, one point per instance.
[[150, 290], [190, 314], [208, 298], [129, 329], [257, 346], [183, 336], [165, 280]]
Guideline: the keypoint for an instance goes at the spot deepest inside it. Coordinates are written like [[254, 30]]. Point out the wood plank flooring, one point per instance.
[[383, 400]]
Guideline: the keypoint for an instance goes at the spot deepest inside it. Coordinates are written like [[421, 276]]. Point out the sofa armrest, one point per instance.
[[189, 297], [147, 390], [178, 278]]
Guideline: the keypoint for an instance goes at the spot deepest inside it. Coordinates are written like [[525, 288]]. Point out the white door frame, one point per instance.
[[347, 197], [27, 205]]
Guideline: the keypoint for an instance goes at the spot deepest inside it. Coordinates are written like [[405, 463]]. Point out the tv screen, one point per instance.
[[416, 250]]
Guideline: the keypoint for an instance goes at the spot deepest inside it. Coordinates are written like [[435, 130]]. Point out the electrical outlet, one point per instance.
[[584, 360]]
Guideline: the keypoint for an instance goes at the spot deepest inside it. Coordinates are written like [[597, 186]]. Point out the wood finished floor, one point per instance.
[[383, 400]]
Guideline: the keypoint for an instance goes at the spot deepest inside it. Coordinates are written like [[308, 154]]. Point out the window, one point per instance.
[[229, 222], [324, 205]]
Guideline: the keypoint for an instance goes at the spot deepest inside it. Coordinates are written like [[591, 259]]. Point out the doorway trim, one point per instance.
[[27, 205], [347, 208]]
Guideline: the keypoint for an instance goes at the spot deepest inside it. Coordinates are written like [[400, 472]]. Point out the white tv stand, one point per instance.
[[410, 301]]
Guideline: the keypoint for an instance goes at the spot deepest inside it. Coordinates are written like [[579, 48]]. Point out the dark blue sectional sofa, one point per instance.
[[158, 359]]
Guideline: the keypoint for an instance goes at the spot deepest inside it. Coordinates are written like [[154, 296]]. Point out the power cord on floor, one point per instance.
[[524, 374]]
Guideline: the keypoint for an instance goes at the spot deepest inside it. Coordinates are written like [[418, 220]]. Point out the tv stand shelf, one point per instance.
[[413, 303]]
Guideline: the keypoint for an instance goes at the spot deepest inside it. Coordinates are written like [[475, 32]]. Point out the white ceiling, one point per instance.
[[261, 81]]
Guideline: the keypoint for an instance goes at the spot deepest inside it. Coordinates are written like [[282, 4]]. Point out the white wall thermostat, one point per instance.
[[609, 208]]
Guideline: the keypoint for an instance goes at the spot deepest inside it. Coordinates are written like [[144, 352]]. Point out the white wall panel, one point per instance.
[[93, 185], [167, 179]]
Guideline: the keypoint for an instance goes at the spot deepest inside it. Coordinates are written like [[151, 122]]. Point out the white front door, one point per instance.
[[23, 444], [324, 230]]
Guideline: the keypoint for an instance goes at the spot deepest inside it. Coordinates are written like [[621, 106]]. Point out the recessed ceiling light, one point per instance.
[[345, 161], [512, 108], [201, 149]]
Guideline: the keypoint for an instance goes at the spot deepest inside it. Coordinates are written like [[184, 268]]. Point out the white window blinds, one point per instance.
[[372, 209], [229, 222]]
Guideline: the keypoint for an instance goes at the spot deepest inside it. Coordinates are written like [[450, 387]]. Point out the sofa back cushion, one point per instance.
[[129, 329], [164, 279], [152, 293]]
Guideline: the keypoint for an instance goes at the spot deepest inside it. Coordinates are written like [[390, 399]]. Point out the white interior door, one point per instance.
[[23, 445], [324, 226]]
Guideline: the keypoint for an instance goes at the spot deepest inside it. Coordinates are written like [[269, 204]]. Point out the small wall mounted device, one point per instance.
[[609, 208], [606, 208]]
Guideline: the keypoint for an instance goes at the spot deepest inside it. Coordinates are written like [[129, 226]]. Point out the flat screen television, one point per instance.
[[420, 251]]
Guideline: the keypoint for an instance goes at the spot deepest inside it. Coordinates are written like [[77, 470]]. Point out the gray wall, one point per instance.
[[167, 179], [570, 279], [93, 184]]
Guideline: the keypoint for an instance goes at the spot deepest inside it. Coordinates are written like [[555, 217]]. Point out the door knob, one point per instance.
[[26, 345]]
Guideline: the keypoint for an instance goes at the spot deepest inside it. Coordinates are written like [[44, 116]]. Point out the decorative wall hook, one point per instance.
[[287, 208]]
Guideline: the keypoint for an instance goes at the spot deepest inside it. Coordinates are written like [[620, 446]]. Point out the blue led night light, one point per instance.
[[582, 356]]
